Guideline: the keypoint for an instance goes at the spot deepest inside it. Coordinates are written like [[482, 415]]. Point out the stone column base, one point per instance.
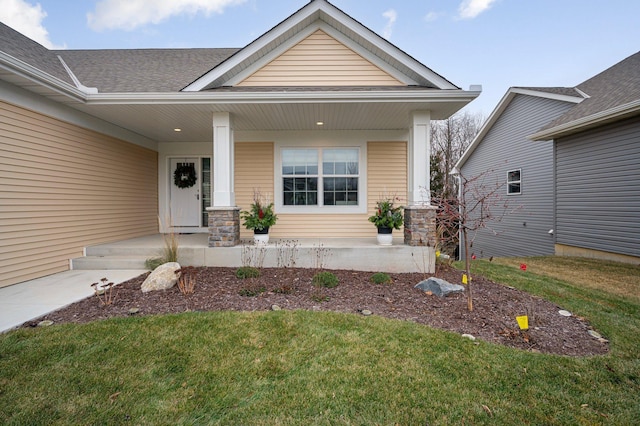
[[420, 226], [224, 226]]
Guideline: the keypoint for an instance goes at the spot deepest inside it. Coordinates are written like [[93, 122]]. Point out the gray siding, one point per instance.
[[505, 147], [598, 188]]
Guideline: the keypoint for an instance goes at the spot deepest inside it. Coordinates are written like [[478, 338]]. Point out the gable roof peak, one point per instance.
[[319, 14]]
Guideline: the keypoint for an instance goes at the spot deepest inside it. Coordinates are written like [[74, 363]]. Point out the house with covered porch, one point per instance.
[[321, 114]]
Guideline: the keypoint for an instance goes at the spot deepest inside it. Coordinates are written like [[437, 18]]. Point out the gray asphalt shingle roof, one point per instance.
[[142, 70], [28, 51]]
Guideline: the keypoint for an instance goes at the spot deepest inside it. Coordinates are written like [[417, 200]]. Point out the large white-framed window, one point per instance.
[[320, 179], [514, 182]]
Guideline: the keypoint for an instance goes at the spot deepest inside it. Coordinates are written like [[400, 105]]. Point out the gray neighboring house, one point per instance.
[[570, 159]]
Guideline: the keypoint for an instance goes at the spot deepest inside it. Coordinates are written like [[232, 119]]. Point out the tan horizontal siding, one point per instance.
[[387, 172], [320, 60], [254, 170], [63, 188]]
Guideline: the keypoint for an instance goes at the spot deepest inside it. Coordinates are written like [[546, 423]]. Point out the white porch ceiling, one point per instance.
[[157, 121]]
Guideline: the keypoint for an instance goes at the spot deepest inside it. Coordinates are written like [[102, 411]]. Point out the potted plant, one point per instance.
[[387, 218], [259, 218]]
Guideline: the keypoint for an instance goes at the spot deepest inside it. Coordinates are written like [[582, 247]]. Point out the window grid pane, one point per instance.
[[339, 178]]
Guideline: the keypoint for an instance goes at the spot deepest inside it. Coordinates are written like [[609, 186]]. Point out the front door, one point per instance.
[[185, 191]]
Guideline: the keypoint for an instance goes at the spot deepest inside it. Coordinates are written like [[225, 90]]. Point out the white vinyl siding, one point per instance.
[[62, 188]]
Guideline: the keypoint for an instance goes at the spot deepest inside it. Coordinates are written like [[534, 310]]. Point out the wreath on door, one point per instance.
[[185, 175]]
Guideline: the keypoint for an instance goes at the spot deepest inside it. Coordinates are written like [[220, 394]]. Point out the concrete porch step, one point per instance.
[[88, 263]]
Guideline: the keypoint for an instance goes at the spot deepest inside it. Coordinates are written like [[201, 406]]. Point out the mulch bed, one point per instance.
[[493, 318]]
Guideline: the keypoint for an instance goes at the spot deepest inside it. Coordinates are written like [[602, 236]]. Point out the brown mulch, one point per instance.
[[493, 318]]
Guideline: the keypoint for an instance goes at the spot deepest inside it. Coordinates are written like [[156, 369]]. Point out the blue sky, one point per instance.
[[495, 43]]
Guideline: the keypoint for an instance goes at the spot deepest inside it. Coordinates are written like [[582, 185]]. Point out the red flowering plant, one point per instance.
[[260, 216], [387, 215]]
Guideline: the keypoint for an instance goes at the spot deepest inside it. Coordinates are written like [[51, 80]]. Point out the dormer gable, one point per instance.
[[320, 60], [320, 21]]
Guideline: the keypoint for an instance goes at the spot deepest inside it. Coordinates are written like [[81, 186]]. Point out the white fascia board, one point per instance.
[[284, 96], [41, 78], [499, 109], [331, 31], [547, 95], [327, 13], [488, 124], [603, 117], [387, 47], [251, 49]]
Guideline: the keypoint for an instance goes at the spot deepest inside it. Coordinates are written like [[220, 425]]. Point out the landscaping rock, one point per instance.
[[133, 311], [439, 287], [162, 278], [276, 308], [469, 336], [366, 312], [45, 323], [564, 313]]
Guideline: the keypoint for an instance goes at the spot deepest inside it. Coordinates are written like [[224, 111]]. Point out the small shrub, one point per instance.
[[153, 262], [325, 279], [187, 281], [319, 297], [380, 278], [252, 291], [245, 272], [284, 289]]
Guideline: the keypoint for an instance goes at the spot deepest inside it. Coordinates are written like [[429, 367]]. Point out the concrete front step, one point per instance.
[[88, 263]]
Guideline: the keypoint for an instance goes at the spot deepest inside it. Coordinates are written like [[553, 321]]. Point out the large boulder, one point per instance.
[[162, 278], [439, 287]]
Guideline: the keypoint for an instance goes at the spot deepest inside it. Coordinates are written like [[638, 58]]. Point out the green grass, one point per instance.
[[282, 368]]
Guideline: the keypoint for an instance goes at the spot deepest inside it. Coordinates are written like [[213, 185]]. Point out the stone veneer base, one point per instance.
[[420, 226], [224, 226]]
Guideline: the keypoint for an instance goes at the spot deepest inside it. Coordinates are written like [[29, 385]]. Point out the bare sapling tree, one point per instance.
[[481, 202], [450, 138]]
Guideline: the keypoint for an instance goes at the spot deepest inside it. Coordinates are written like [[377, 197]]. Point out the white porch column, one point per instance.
[[419, 153], [223, 167]]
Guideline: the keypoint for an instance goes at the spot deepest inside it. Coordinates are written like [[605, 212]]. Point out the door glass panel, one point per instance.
[[205, 190]]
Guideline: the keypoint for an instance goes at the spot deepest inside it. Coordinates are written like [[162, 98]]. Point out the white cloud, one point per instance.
[[432, 16], [130, 14], [469, 9], [391, 16], [26, 18]]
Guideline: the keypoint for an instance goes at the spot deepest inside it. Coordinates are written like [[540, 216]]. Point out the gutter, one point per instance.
[[24, 70], [281, 97], [584, 123]]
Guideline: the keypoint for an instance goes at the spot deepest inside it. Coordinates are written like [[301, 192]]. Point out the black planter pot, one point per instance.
[[261, 231], [384, 230]]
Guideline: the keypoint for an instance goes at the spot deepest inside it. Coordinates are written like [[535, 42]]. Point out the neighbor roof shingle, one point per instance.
[[613, 87]]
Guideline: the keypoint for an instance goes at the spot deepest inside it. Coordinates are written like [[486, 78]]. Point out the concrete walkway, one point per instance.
[[26, 301]]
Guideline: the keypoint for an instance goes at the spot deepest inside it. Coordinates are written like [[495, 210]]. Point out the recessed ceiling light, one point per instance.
[[177, 130]]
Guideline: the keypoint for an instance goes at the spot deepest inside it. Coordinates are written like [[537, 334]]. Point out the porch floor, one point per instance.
[[329, 253]]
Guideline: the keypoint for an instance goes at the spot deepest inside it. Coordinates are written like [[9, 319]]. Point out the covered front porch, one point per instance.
[[323, 253]]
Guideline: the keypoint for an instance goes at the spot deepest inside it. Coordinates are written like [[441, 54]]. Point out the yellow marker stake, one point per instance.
[[464, 279], [438, 253], [523, 322]]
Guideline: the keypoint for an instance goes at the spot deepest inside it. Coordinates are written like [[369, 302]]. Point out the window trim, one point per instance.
[[510, 182], [321, 208]]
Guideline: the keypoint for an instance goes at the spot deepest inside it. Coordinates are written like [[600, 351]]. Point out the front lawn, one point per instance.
[[303, 367]]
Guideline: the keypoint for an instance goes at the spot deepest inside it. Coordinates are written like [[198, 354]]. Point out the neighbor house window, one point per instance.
[[320, 177], [514, 182]]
